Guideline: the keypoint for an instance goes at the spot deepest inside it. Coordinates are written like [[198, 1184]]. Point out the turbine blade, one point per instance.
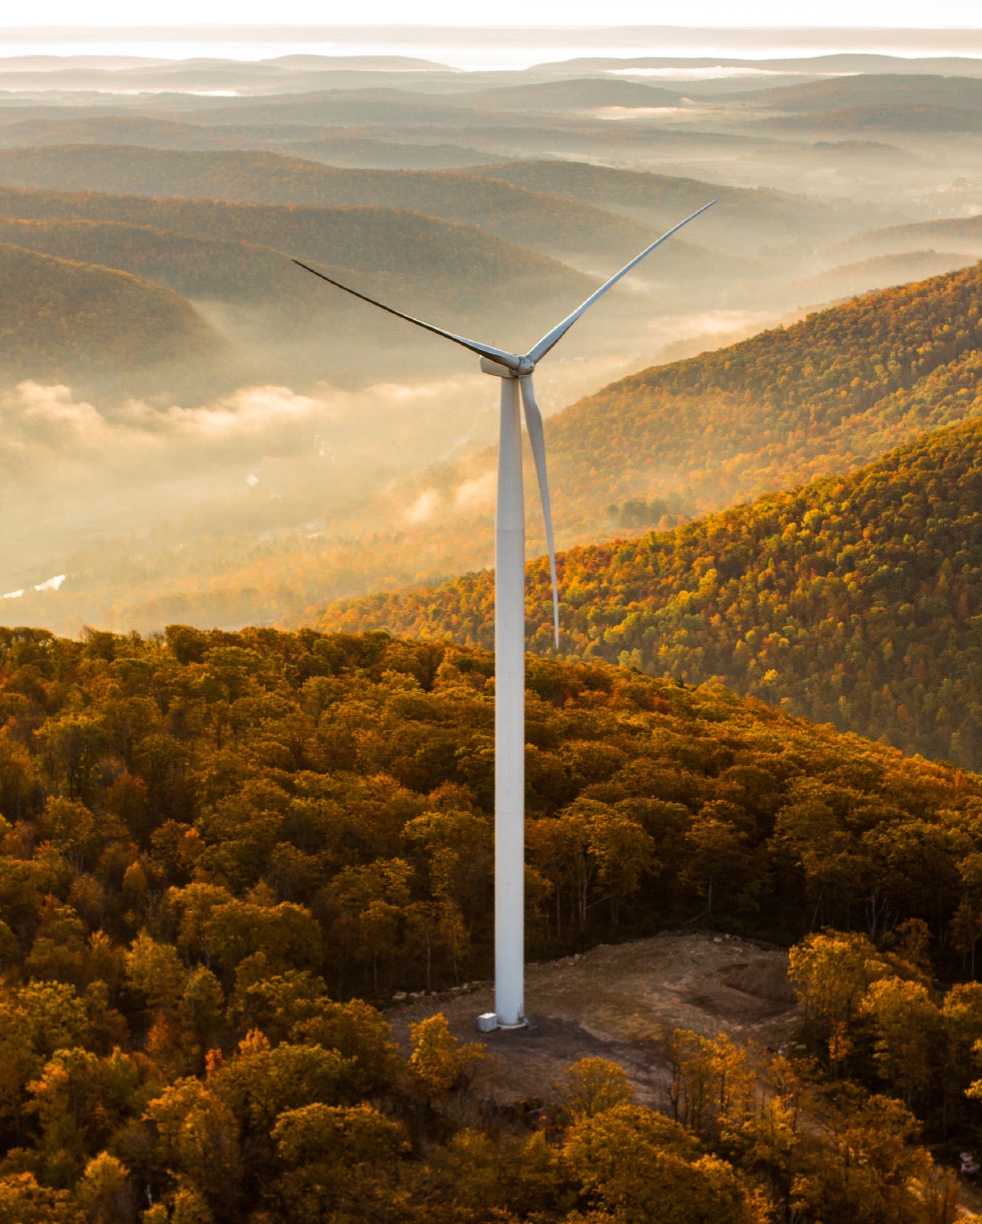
[[550, 338], [509, 360], [533, 420]]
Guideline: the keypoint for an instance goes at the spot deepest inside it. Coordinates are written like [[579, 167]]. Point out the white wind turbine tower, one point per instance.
[[515, 372]]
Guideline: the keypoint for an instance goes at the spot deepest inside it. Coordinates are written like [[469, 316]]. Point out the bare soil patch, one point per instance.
[[619, 1003]]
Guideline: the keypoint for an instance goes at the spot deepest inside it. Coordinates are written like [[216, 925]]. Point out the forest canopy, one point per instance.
[[210, 842], [852, 600]]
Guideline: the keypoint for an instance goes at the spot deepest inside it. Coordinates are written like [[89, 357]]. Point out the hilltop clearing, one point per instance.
[[621, 1003], [853, 600]]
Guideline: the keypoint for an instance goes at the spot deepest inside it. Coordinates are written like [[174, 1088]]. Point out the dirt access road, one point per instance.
[[619, 1002]]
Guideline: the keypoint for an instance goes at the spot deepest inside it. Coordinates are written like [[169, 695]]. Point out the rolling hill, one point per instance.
[[878, 272], [947, 234], [583, 93], [869, 89], [884, 117], [366, 153], [749, 218], [324, 144], [531, 218], [827, 394], [854, 600], [821, 397], [431, 261], [60, 317]]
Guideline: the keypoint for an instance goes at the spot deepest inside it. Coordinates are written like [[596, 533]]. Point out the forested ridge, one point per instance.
[[390, 248], [751, 217], [209, 268], [878, 271], [950, 233], [60, 317], [827, 394], [210, 841], [853, 600], [527, 217]]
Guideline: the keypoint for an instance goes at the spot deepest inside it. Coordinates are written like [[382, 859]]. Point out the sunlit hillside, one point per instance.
[[822, 396], [853, 600], [60, 318]]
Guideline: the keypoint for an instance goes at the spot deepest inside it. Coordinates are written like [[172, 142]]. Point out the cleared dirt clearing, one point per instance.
[[619, 1002]]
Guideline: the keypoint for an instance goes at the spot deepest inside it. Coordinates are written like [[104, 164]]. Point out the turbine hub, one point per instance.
[[499, 370]]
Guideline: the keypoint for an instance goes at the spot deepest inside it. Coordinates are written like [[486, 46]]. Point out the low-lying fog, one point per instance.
[[264, 457], [332, 435]]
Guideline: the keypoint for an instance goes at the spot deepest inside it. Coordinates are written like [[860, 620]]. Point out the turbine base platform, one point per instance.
[[488, 1022]]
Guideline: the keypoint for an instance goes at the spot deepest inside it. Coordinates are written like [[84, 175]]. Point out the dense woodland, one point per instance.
[[826, 394], [212, 841], [853, 600]]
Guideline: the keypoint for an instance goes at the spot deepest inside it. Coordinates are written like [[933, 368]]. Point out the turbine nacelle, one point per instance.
[[502, 364], [521, 369]]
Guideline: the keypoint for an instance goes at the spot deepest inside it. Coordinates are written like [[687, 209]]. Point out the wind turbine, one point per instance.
[[515, 372]]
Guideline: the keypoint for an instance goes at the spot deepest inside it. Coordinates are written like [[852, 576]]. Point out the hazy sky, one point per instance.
[[909, 13]]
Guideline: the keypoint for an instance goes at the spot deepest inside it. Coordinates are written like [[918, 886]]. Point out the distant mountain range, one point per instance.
[[531, 218]]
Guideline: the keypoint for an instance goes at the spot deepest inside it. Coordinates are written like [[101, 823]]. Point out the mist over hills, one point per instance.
[[60, 318], [889, 117], [583, 94], [822, 396], [878, 272], [948, 234], [473, 252], [743, 217], [187, 257], [854, 600], [870, 89], [531, 218], [240, 255]]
